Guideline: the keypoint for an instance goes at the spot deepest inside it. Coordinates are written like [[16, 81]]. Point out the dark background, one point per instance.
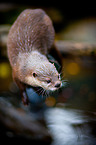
[[70, 10]]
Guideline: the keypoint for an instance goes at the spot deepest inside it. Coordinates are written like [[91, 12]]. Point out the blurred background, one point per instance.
[[75, 27]]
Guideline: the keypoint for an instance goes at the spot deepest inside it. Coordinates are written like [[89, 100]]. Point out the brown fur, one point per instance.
[[31, 31]]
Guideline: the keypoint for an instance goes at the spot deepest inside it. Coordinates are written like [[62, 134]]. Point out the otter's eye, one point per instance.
[[48, 81], [34, 74]]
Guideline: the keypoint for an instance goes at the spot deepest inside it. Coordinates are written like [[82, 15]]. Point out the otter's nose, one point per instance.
[[57, 85]]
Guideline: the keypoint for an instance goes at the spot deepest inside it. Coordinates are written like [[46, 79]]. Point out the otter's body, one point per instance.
[[30, 40]]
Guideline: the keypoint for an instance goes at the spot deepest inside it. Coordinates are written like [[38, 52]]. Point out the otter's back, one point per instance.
[[32, 30]]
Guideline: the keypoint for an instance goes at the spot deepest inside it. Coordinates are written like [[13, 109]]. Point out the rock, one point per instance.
[[20, 122]]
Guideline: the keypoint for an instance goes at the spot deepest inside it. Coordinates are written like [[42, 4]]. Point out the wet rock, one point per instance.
[[19, 122]]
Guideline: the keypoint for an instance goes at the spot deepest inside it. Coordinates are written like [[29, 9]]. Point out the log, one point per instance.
[[76, 48]]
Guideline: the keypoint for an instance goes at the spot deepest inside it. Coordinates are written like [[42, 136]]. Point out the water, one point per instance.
[[70, 115], [71, 127], [73, 120]]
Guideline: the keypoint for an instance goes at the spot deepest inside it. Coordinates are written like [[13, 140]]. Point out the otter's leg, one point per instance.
[[22, 88]]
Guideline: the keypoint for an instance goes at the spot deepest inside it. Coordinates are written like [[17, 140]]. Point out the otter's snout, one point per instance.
[[57, 85]]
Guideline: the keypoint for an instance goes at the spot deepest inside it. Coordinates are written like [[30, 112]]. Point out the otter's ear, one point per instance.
[[34, 75]]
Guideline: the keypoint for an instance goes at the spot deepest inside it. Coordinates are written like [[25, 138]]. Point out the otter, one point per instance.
[[30, 41]]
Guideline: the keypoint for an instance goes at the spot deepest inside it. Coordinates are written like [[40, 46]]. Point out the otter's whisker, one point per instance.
[[41, 91], [36, 91], [47, 93]]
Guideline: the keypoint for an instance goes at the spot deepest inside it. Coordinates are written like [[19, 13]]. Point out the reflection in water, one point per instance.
[[71, 127]]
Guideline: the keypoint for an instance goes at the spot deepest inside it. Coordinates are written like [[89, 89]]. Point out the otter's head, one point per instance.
[[42, 73]]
